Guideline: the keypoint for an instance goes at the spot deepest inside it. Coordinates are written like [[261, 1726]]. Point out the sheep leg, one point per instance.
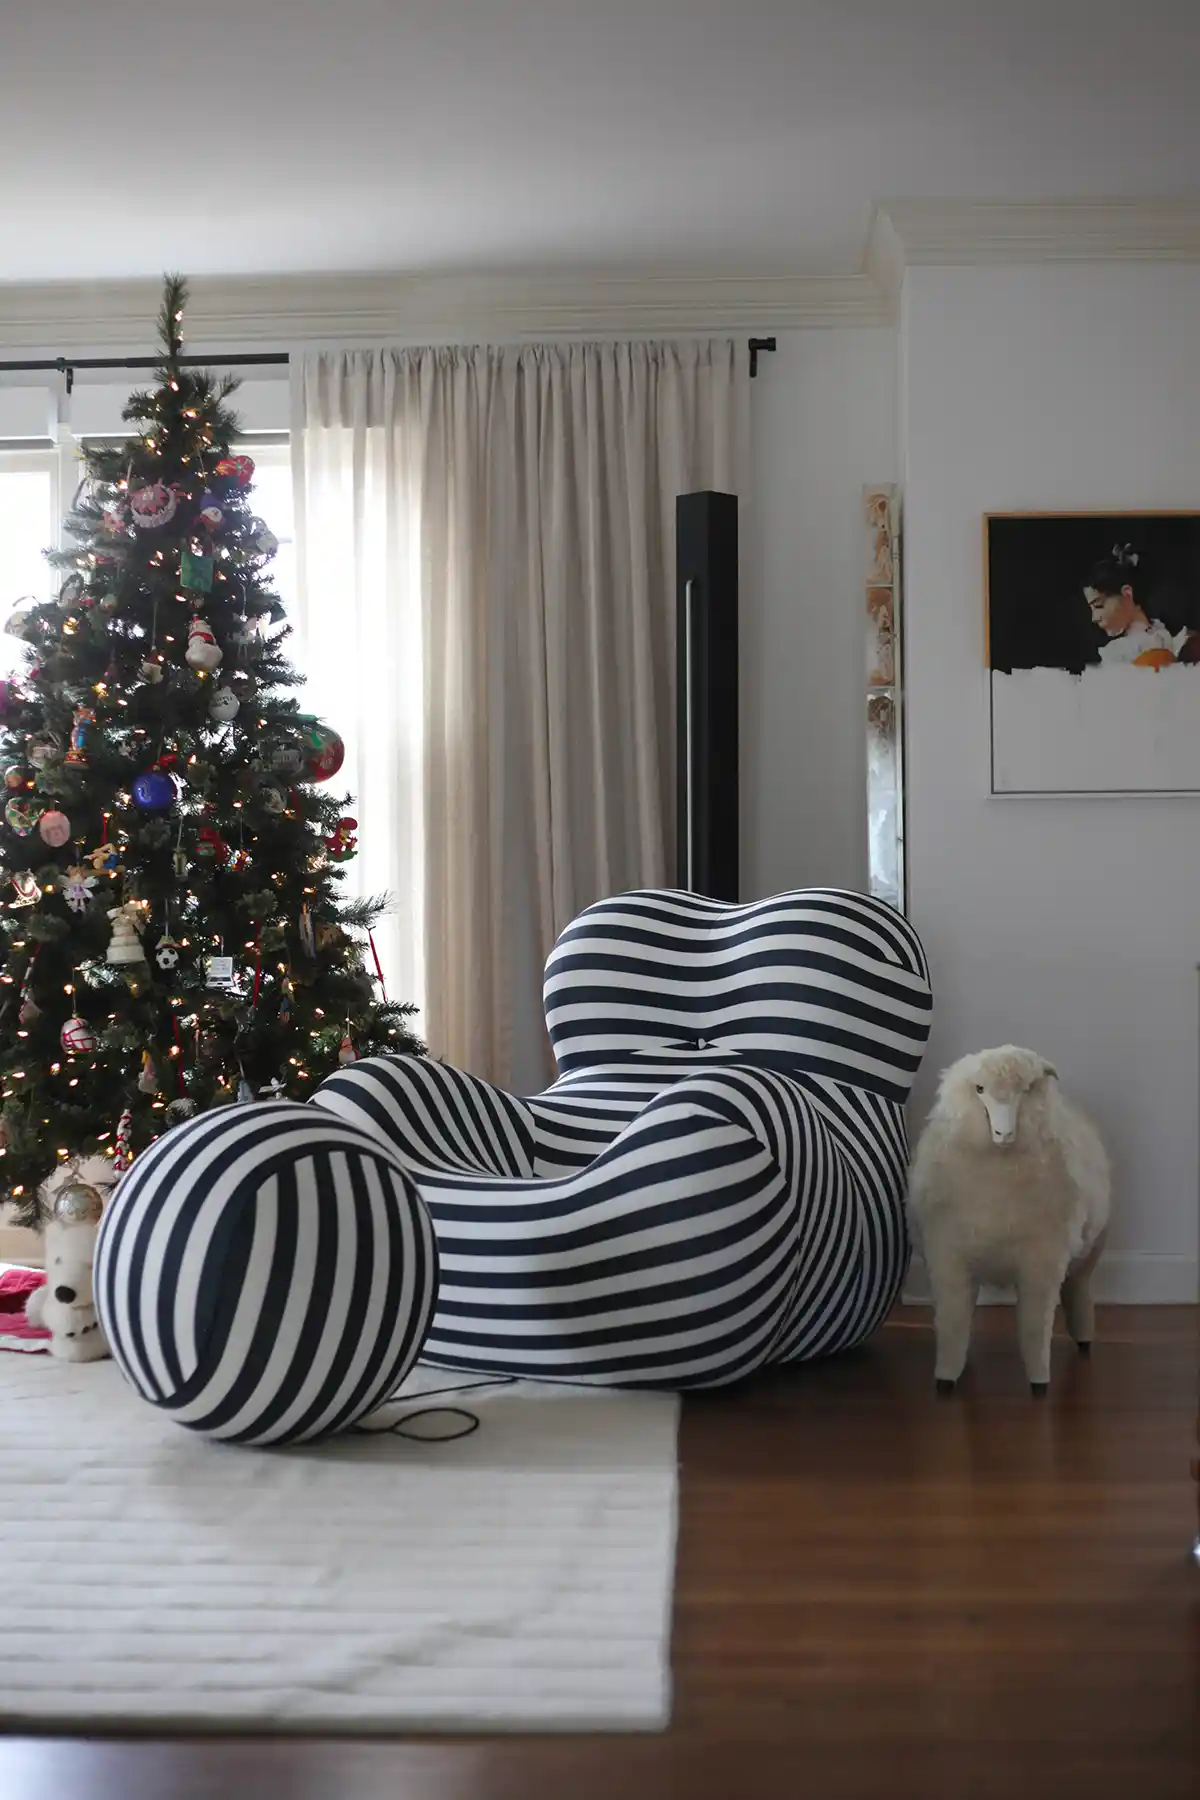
[[954, 1292], [1078, 1307], [1037, 1297]]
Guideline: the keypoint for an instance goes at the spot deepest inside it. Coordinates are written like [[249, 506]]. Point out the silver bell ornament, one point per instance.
[[79, 1204]]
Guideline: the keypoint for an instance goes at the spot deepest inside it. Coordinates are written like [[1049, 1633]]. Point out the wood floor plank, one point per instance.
[[879, 1593]]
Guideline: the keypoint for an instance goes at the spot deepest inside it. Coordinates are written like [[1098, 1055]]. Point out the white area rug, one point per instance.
[[518, 1579]]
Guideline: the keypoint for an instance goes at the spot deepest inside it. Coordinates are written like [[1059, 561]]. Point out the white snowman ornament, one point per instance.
[[203, 651], [224, 705]]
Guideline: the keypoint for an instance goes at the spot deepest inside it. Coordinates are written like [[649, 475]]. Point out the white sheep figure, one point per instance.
[[1010, 1185]]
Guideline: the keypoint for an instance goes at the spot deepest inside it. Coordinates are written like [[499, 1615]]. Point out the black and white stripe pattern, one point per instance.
[[266, 1274], [716, 1180]]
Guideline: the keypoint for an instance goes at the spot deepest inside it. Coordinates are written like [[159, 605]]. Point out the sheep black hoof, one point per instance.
[[944, 1386], [1085, 1348], [1039, 1389]]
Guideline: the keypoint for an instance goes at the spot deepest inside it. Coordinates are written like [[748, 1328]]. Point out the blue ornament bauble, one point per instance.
[[154, 791]]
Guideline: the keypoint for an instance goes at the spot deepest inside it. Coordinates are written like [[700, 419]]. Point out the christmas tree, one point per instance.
[[172, 934]]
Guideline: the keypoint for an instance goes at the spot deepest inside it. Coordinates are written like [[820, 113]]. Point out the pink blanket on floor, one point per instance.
[[16, 1333]]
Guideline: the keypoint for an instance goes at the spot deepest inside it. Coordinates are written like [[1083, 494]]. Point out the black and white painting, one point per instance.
[[1093, 626]]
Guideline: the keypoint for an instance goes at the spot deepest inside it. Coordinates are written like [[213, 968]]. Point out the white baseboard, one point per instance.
[[1119, 1280]]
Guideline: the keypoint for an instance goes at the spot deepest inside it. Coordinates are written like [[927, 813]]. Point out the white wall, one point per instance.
[[823, 423], [1073, 926]]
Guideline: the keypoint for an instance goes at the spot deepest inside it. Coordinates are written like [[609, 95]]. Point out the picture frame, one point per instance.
[[1092, 653]]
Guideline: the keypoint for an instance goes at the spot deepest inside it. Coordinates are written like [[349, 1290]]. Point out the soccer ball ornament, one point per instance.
[[78, 1038], [166, 953], [324, 751], [264, 1201]]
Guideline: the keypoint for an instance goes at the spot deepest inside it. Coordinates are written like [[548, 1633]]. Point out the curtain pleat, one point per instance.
[[487, 613]]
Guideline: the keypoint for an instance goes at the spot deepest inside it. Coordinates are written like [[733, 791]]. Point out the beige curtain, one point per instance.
[[486, 571]]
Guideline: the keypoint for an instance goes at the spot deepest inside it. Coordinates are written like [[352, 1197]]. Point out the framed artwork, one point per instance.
[[1093, 652], [885, 738]]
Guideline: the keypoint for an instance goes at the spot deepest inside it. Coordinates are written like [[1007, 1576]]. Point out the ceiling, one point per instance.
[[264, 136]]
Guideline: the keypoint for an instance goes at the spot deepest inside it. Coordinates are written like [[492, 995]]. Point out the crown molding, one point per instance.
[[255, 312], [909, 233]]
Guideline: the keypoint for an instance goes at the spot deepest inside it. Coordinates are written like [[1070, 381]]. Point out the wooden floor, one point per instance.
[[880, 1594]]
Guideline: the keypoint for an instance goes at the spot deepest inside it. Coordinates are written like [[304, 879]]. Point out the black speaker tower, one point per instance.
[[706, 560]]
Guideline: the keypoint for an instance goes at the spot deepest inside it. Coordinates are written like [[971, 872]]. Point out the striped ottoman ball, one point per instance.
[[266, 1274]]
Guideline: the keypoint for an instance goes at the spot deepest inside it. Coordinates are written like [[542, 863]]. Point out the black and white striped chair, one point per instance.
[[716, 1180]]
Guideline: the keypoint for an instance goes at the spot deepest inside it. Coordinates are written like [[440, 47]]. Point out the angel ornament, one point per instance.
[[78, 887]]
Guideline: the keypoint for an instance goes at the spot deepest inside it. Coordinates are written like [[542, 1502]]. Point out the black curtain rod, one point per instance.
[[67, 365]]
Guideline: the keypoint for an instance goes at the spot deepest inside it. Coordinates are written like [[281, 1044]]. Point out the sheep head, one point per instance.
[[994, 1088]]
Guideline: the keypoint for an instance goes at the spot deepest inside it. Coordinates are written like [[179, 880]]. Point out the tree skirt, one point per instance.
[[16, 1333], [519, 1578]]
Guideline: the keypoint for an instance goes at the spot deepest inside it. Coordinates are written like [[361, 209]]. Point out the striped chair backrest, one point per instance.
[[820, 981]]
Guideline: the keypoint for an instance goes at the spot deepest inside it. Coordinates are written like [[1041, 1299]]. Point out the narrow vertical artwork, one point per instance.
[[885, 748]]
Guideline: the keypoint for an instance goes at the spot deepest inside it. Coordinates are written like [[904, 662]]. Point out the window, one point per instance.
[[28, 527], [271, 498]]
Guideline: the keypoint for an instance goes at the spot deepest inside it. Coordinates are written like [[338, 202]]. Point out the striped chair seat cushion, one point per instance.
[[716, 1180]]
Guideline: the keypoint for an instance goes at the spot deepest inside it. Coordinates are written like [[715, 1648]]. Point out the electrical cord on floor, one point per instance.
[[397, 1428]]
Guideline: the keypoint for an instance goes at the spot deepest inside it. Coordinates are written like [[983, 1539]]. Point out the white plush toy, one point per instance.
[[73, 1200]]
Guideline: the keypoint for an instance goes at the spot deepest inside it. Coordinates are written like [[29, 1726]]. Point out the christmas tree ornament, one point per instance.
[[42, 749], [78, 1038], [308, 941], [78, 887], [70, 594], [211, 847], [196, 571], [236, 468], [284, 757], [245, 1093], [166, 953], [152, 506], [342, 842], [30, 1011], [285, 1001], [324, 751], [239, 859], [152, 668], [273, 1089], [81, 725], [15, 778], [218, 972], [20, 621], [180, 1109], [210, 513], [346, 1051], [179, 863], [54, 828], [25, 886], [105, 859], [22, 815], [112, 520], [203, 650], [224, 705], [265, 541], [272, 797], [77, 1204], [147, 1081], [110, 603], [155, 790], [125, 946], [124, 1154], [245, 634]]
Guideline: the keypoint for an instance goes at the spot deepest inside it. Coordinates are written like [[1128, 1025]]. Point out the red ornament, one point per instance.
[[324, 752], [342, 842], [211, 846], [237, 468]]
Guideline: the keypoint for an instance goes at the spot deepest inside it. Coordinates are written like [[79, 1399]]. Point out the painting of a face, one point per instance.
[[1113, 613]]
